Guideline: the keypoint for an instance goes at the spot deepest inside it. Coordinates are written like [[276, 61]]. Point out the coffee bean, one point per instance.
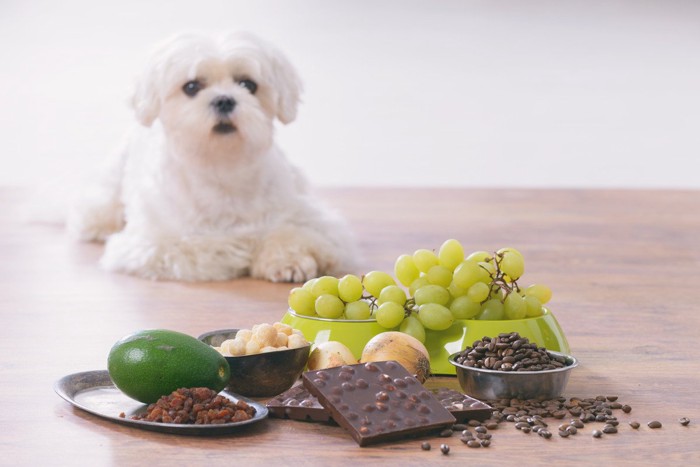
[[486, 442], [626, 408], [480, 429], [446, 433], [609, 429], [545, 434], [473, 443], [467, 434], [459, 427], [425, 446], [611, 398], [572, 430], [634, 425], [563, 433], [684, 421], [445, 449], [597, 433], [654, 424], [577, 423]]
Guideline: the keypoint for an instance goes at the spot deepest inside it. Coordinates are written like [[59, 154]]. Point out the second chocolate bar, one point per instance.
[[378, 401]]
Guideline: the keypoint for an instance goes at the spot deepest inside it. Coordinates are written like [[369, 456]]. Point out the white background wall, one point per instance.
[[450, 93]]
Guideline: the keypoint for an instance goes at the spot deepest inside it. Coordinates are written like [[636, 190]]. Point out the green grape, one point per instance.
[[478, 292], [350, 288], [432, 293], [533, 306], [469, 273], [390, 314], [439, 275], [491, 310], [464, 308], [413, 327], [417, 284], [456, 291], [451, 254], [512, 263], [357, 310], [405, 270], [375, 281], [325, 285], [425, 259], [329, 306], [309, 285], [392, 293], [542, 292], [479, 256], [496, 293], [488, 267], [514, 306], [435, 317], [301, 301]]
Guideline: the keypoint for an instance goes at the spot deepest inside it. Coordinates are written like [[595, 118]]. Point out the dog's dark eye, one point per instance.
[[249, 84], [191, 88]]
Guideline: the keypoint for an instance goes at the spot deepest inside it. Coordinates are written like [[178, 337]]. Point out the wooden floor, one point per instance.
[[624, 267]]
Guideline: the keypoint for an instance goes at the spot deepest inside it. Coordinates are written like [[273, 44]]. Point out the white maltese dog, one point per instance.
[[200, 192]]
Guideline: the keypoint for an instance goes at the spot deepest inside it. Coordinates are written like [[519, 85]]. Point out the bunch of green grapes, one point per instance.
[[433, 290], [332, 297]]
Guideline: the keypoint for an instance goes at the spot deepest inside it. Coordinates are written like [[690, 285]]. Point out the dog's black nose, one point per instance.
[[223, 104]]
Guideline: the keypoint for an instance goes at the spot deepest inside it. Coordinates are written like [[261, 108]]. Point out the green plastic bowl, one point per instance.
[[543, 330]]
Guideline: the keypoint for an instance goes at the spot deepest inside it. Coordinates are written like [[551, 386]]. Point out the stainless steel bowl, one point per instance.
[[494, 384], [264, 374]]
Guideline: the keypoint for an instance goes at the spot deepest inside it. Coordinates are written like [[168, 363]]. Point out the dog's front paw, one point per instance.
[[280, 267]]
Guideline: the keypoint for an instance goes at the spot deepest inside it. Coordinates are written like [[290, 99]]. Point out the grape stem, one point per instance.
[[498, 278]]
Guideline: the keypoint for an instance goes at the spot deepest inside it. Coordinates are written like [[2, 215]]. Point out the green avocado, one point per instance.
[[149, 364]]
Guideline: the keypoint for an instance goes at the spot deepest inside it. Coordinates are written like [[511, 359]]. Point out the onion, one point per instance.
[[401, 347], [330, 354]]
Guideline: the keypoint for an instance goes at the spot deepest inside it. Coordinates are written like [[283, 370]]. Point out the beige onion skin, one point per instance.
[[401, 347], [329, 355]]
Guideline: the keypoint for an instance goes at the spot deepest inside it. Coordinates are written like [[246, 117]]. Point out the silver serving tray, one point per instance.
[[94, 392]]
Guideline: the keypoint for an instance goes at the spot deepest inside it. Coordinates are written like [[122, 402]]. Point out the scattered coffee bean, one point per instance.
[[634, 425], [480, 429], [611, 398], [684, 421], [577, 423], [486, 442], [474, 423], [597, 433], [425, 446], [459, 427], [445, 449], [654, 424], [446, 433], [572, 430], [564, 433], [609, 429], [545, 434], [473, 443], [626, 408]]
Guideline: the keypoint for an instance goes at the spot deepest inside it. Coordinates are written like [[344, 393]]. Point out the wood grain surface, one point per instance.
[[623, 264]]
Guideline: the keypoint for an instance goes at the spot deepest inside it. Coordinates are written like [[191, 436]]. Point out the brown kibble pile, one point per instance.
[[198, 406]]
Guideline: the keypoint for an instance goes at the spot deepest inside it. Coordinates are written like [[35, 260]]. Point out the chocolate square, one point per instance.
[[298, 404], [462, 406], [377, 401]]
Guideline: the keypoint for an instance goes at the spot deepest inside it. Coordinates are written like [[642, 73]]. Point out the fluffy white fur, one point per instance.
[[182, 201]]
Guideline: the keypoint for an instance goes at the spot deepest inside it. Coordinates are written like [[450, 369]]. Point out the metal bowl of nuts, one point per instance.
[[509, 366], [265, 373]]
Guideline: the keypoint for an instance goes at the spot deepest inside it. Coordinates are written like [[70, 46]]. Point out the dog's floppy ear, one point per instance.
[[288, 86], [145, 100]]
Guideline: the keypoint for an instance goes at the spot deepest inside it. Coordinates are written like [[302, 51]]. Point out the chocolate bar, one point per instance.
[[377, 401], [462, 406], [298, 404]]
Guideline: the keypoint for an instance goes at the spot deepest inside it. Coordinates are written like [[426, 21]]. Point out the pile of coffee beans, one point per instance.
[[509, 352]]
